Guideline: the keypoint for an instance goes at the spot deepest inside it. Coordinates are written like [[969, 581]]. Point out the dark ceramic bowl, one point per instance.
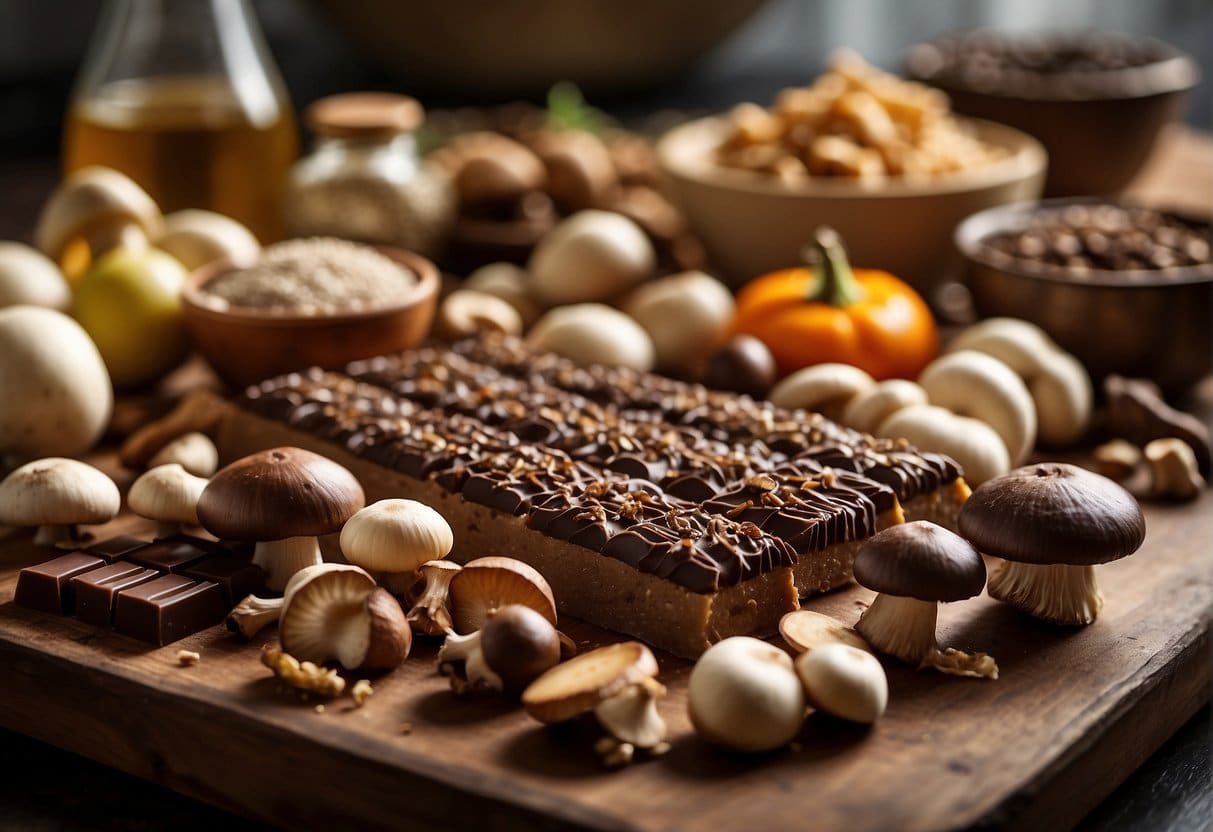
[[1098, 133], [1137, 323], [247, 345]]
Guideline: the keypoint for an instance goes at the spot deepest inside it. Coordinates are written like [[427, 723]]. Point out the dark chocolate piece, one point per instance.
[[97, 591], [235, 575], [48, 586], [168, 608], [174, 554], [115, 547]]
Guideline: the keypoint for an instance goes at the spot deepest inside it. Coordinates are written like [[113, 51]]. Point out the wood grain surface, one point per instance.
[[1073, 714]]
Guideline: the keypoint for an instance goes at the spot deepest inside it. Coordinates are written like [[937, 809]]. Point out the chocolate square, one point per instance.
[[173, 554], [96, 591], [168, 608], [115, 547], [47, 586], [237, 576]]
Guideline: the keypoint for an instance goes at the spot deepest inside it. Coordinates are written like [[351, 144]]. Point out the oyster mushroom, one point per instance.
[[169, 495], [392, 538], [618, 683], [1051, 524], [430, 611], [57, 495], [333, 611], [282, 499], [914, 566], [744, 695], [845, 682], [513, 648]]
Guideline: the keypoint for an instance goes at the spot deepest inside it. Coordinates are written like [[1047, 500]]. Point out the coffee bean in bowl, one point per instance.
[[1095, 100], [1126, 289]]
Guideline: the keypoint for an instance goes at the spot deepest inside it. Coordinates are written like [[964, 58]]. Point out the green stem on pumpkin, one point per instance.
[[833, 281]]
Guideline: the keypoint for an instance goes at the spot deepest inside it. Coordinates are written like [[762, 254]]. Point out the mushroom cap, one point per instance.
[[90, 197], [395, 536], [578, 685], [324, 614], [519, 645], [920, 560], [279, 493], [57, 491], [845, 682], [492, 582], [27, 276], [1053, 513], [168, 493]]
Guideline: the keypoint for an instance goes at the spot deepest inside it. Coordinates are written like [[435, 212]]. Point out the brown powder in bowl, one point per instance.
[[312, 276]]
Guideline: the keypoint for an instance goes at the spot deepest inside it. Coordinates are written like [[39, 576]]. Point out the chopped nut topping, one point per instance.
[[304, 676], [361, 692]]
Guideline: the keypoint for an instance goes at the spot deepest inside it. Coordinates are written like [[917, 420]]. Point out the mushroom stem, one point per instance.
[[430, 613], [901, 627], [1059, 593], [54, 534], [283, 558], [631, 715], [253, 614]]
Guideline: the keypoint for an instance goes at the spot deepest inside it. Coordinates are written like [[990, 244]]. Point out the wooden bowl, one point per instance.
[[751, 224], [1137, 323], [247, 345]]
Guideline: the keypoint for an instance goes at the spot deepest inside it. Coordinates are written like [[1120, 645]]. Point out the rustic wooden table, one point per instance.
[[47, 788]]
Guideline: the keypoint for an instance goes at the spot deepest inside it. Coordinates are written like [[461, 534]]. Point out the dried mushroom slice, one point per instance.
[[805, 630], [490, 583]]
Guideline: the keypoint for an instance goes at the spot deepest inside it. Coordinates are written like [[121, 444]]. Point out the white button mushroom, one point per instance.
[[27, 276], [686, 315], [868, 409], [844, 681], [57, 393], [198, 237], [57, 495], [169, 495], [744, 694], [591, 256], [508, 282], [825, 388], [593, 333], [971, 442], [193, 451], [395, 537]]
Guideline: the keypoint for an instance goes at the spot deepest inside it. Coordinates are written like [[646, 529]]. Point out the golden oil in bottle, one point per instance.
[[191, 142]]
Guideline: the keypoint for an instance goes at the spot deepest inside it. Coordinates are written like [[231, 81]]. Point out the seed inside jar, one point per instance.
[[316, 275]]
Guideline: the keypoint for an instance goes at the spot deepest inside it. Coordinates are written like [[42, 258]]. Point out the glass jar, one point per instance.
[[183, 97], [364, 180]]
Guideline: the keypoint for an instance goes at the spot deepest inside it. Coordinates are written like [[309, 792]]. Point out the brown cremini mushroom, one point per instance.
[[491, 583], [282, 499], [515, 645], [915, 566], [57, 495], [1051, 523]]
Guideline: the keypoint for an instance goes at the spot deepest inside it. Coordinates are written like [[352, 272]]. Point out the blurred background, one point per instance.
[[699, 56]]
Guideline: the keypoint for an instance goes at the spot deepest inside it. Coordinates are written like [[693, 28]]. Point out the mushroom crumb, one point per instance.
[[188, 658], [319, 709], [361, 692], [304, 676]]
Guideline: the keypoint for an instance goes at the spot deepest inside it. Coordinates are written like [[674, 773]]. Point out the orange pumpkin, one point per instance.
[[828, 311]]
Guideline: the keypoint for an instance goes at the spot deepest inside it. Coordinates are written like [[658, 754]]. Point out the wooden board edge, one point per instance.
[[168, 738], [1179, 683]]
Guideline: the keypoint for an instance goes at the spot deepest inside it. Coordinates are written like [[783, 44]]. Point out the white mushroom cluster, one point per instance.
[[1002, 387]]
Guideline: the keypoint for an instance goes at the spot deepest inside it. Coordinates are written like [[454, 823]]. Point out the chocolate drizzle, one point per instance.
[[702, 488]]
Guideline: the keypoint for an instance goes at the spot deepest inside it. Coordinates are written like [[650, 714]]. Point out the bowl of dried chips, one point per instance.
[[878, 158]]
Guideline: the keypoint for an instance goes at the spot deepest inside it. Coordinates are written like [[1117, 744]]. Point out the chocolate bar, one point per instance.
[[97, 591], [235, 574], [48, 586], [168, 608], [173, 554]]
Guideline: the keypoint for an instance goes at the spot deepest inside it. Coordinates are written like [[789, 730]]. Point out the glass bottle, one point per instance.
[[182, 96], [365, 181]]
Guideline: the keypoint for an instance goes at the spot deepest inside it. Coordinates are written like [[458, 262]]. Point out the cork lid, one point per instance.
[[364, 115]]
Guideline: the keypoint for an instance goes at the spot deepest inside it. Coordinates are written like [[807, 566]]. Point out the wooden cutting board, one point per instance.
[[1073, 714]]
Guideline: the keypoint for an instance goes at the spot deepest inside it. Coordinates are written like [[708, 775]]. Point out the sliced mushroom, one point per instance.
[[871, 408], [845, 682], [282, 499], [744, 695], [915, 566], [392, 538], [1051, 523], [430, 612], [466, 312], [57, 495], [334, 611], [805, 630], [493, 582], [508, 282], [169, 495], [979, 386], [617, 682]]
